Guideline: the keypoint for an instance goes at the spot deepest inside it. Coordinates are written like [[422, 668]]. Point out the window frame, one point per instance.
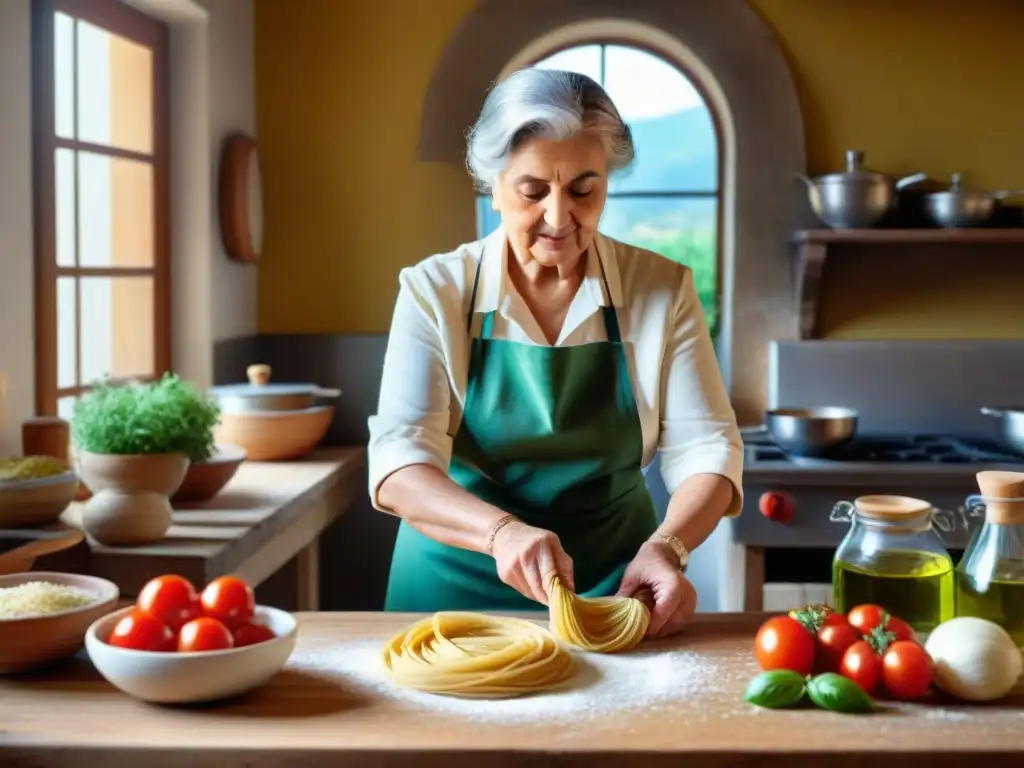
[[717, 194], [117, 18]]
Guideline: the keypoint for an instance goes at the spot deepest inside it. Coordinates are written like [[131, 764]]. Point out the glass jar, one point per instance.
[[990, 576], [893, 557]]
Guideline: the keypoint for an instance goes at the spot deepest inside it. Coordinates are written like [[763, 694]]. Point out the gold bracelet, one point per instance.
[[497, 527], [675, 544]]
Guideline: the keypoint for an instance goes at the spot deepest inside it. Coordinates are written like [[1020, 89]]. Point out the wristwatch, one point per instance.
[[677, 546]]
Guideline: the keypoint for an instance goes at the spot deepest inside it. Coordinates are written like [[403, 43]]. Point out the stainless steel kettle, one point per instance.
[[855, 198]]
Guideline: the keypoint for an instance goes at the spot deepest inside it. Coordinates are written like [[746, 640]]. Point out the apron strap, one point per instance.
[[611, 317], [472, 298]]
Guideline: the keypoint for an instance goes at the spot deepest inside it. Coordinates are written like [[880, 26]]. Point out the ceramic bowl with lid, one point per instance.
[[272, 422], [261, 395]]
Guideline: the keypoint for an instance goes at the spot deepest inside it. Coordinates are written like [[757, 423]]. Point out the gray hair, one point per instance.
[[548, 104]]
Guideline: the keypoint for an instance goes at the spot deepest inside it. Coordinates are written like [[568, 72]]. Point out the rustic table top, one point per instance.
[[676, 702], [265, 502]]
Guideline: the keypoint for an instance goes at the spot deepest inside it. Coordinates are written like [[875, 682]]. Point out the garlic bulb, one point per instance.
[[974, 659]]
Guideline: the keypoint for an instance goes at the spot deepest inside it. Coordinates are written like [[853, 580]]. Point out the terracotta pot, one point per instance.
[[130, 503], [275, 435], [205, 480]]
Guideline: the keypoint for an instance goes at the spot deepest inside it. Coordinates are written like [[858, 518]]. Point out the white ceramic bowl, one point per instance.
[[189, 678]]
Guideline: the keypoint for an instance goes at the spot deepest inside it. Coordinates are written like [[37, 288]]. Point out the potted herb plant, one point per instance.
[[134, 442]]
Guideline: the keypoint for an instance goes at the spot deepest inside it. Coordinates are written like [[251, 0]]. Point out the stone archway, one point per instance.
[[734, 55]]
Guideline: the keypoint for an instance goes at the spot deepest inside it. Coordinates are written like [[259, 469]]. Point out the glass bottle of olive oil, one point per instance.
[[893, 557], [990, 576]]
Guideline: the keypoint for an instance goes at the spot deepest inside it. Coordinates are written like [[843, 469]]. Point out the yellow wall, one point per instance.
[[919, 85]]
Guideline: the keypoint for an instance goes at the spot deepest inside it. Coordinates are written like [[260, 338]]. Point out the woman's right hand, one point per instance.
[[528, 558]]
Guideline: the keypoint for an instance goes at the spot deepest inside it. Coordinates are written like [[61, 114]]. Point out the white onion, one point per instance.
[[974, 659]]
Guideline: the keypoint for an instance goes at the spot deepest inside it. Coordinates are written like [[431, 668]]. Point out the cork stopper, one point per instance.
[[258, 374], [1003, 493], [891, 509]]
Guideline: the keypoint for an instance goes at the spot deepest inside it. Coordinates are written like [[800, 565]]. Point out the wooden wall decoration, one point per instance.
[[241, 199]]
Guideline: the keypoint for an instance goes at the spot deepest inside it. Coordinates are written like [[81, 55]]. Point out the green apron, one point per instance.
[[551, 435]]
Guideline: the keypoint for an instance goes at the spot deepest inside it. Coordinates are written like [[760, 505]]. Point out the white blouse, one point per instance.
[[684, 410]]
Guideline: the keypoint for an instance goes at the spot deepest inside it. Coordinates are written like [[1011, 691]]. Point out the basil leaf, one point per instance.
[[838, 694], [775, 689]]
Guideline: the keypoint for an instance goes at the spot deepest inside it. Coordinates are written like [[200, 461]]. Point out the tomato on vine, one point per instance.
[[867, 617], [783, 642], [906, 670], [832, 634], [901, 667]]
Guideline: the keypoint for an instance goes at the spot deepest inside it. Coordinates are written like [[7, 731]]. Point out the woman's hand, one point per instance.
[[655, 570], [528, 558]]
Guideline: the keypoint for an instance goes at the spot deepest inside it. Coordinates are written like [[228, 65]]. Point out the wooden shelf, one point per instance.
[[908, 236], [812, 250]]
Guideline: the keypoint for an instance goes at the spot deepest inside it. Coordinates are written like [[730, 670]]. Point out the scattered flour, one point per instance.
[[640, 681]]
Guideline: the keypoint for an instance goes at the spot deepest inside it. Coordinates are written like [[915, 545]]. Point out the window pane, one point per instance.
[[64, 75], [683, 229], [115, 212], [676, 143], [66, 407], [117, 327], [115, 90], [64, 206], [487, 219], [67, 333], [585, 59]]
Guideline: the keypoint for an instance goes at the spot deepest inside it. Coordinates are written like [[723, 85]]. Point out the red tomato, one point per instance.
[[141, 632], [865, 618], [230, 600], [900, 629], [204, 634], [170, 599], [782, 642], [906, 670], [251, 634], [833, 641], [861, 664]]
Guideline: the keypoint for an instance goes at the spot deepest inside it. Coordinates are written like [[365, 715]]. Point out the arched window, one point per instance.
[[668, 201]]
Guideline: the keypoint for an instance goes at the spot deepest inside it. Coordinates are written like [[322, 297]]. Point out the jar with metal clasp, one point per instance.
[[894, 557], [990, 575]]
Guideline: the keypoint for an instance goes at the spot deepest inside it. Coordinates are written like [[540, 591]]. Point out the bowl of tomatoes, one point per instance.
[[180, 645]]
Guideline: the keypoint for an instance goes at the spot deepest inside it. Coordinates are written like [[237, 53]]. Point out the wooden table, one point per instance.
[[313, 715], [268, 514]]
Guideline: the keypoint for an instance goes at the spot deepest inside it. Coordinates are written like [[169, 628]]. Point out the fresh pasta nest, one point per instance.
[[597, 624], [472, 655]]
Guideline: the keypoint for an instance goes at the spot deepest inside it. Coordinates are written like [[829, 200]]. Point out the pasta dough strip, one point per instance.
[[596, 624], [472, 655]]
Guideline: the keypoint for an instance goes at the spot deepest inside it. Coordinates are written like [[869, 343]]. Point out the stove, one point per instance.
[[888, 449], [920, 433], [938, 468]]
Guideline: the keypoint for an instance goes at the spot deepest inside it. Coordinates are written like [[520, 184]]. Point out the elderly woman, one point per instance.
[[531, 376]]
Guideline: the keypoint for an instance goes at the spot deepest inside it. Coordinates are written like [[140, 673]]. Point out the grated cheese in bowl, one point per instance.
[[39, 598]]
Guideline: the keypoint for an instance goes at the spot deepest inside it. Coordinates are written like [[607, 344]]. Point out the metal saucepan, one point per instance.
[[260, 395], [1011, 426], [855, 198], [811, 432], [961, 207]]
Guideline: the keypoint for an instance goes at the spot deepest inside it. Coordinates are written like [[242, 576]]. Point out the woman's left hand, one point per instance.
[[655, 569]]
